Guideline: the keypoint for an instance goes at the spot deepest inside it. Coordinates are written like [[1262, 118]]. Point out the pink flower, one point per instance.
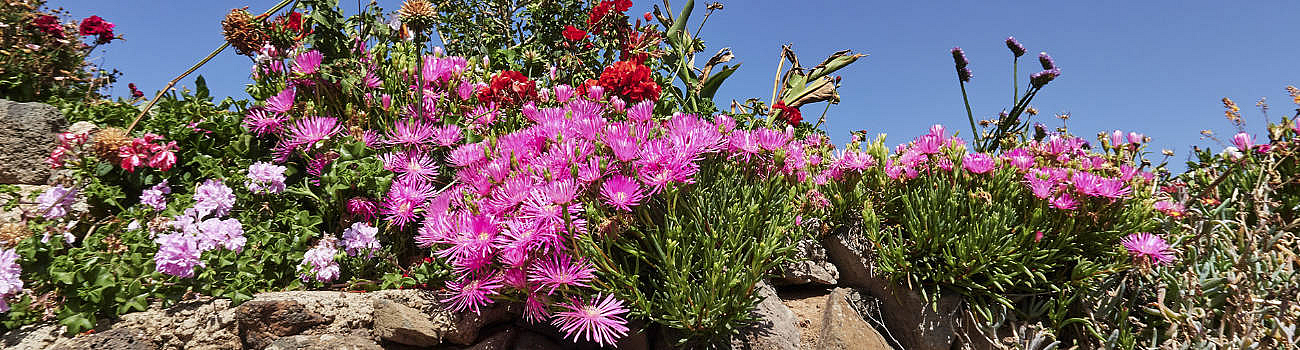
[[1064, 202], [131, 157], [561, 271], [1042, 188], [263, 122], [281, 102], [1020, 158], [927, 144], [978, 163], [597, 321], [1243, 141], [471, 293], [411, 133], [308, 62], [306, 132], [1146, 247], [163, 157], [621, 192]]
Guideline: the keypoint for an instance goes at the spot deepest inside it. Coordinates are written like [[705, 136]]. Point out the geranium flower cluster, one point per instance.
[[49, 24], [199, 229], [69, 144], [10, 271], [56, 202], [149, 150], [97, 27]]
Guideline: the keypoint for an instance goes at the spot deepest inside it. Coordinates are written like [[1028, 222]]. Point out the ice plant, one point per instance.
[[597, 321], [307, 132], [308, 62], [471, 293], [1148, 248], [978, 163], [621, 192], [561, 271], [281, 102]]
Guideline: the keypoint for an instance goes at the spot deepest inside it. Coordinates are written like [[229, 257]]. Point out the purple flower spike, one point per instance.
[[1047, 61], [1015, 46], [959, 58], [1042, 78]]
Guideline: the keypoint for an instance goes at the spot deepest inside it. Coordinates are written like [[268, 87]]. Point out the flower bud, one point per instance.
[[1015, 46]]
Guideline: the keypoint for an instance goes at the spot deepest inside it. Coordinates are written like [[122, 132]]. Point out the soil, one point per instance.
[[807, 304]]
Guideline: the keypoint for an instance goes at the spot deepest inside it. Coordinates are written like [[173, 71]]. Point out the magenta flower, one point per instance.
[[281, 102], [362, 208], [472, 293], [1243, 141], [1042, 188], [306, 132], [446, 135], [412, 133], [1149, 248], [977, 163], [412, 164], [1064, 202], [621, 192], [308, 62], [561, 271], [927, 144], [1020, 158], [404, 197], [262, 122], [598, 321], [467, 155], [771, 139]]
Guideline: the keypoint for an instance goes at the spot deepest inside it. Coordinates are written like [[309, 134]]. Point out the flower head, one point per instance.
[[10, 272], [597, 321], [561, 271], [1015, 46], [978, 163], [213, 197], [56, 202], [308, 62], [1243, 141], [1149, 248], [178, 254], [265, 177], [154, 196], [470, 293], [319, 262], [306, 132], [262, 122], [360, 237]]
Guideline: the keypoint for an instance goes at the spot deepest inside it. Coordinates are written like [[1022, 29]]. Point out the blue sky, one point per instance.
[[1155, 67]]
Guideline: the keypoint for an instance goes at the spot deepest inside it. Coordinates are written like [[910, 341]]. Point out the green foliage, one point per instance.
[[690, 259]]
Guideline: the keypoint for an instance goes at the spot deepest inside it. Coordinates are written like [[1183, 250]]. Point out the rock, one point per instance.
[[27, 138], [907, 316], [811, 266], [637, 338], [467, 324], [843, 328], [777, 326], [401, 324], [501, 340], [533, 341], [121, 338], [262, 321], [195, 324], [33, 337], [324, 342]]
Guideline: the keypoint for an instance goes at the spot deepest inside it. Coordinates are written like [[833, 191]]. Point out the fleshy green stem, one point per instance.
[[975, 134]]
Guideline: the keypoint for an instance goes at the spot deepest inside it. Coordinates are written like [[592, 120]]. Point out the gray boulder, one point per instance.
[[27, 136]]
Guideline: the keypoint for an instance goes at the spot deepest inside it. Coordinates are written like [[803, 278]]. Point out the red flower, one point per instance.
[[574, 34], [622, 5], [789, 114], [136, 93], [508, 88], [598, 13], [630, 80], [95, 26], [49, 25]]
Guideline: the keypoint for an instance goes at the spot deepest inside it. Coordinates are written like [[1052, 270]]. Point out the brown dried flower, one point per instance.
[[417, 14], [243, 31], [108, 141]]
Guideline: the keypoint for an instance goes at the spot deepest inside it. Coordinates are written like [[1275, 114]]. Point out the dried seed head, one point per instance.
[[108, 141], [417, 14], [244, 32], [13, 232]]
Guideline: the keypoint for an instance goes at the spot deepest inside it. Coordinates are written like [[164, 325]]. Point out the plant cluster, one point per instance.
[[45, 55]]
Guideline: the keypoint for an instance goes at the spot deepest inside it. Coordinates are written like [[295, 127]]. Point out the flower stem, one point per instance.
[[975, 134]]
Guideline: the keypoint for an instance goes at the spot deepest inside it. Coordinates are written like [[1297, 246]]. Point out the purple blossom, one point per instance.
[[178, 254], [1243, 141], [154, 197], [228, 233], [1046, 61], [56, 202], [561, 271], [959, 58], [213, 197], [262, 122], [1040, 79], [1015, 46], [306, 132], [470, 293], [265, 177], [360, 237], [319, 262], [10, 272]]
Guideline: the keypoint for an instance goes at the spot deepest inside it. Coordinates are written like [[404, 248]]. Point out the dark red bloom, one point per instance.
[[95, 26], [49, 25], [630, 80], [294, 22], [622, 5], [598, 13], [508, 88], [788, 114], [648, 17], [136, 93], [574, 34]]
